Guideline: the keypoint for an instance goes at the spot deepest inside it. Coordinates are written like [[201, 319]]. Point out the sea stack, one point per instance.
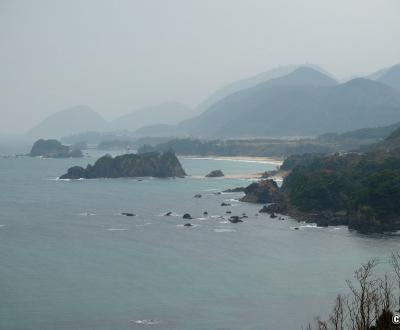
[[161, 165]]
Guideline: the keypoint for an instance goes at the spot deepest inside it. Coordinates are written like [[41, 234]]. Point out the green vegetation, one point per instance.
[[363, 186], [130, 165]]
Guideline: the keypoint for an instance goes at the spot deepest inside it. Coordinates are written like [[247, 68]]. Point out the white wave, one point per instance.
[[2, 226], [87, 214], [116, 229], [144, 224], [146, 322], [226, 221], [173, 214], [223, 230]]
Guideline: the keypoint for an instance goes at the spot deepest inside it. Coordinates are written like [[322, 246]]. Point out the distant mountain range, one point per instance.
[[286, 101], [166, 113], [391, 77], [305, 102], [251, 82], [69, 121], [81, 119]]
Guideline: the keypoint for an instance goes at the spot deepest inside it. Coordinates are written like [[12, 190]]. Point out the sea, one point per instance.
[[70, 260]]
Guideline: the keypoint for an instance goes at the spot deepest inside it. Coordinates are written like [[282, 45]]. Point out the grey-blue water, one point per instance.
[[69, 261]]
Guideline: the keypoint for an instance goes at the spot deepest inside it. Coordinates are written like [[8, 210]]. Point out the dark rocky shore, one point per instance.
[[162, 165]]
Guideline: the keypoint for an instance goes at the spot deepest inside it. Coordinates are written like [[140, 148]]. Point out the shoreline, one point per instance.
[[246, 159]]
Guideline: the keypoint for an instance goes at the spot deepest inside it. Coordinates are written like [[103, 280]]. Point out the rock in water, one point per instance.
[[197, 196], [235, 219], [128, 214], [238, 189], [187, 216], [187, 225], [154, 164], [53, 149], [265, 191], [215, 174]]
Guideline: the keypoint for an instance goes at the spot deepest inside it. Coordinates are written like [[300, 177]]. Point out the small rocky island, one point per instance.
[[162, 165], [53, 149], [215, 174]]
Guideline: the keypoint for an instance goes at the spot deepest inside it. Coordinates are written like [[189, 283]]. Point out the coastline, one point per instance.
[[248, 159]]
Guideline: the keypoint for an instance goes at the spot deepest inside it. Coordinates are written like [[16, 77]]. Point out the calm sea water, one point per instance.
[[68, 260]]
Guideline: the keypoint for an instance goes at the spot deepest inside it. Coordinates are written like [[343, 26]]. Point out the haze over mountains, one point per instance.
[[286, 101], [81, 119], [303, 103]]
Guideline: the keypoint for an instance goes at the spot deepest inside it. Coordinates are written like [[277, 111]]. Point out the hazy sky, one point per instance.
[[118, 55]]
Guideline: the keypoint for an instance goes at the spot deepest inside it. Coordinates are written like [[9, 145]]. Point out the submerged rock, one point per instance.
[[187, 225], [197, 196], [154, 164], [225, 204], [127, 214], [215, 174], [167, 214], [205, 213]]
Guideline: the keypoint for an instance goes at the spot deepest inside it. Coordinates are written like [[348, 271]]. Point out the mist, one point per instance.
[[119, 56]]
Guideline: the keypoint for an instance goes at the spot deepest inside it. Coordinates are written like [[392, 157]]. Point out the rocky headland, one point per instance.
[[358, 189], [53, 149]]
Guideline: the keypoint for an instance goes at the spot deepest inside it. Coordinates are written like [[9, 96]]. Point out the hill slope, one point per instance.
[[391, 77], [165, 113], [305, 102], [69, 121], [250, 82]]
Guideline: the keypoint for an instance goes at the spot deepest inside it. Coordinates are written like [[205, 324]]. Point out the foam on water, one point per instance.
[[146, 322], [87, 214], [223, 230], [116, 229]]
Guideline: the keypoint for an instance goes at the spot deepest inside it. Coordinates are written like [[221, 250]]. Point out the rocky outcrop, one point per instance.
[[215, 174], [274, 208], [233, 190], [265, 191], [53, 149], [154, 164]]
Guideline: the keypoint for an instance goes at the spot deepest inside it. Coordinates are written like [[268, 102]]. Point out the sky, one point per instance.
[[117, 56]]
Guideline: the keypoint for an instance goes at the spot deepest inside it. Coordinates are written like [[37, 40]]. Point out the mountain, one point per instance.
[[251, 82], [69, 121], [165, 113], [302, 103], [391, 77]]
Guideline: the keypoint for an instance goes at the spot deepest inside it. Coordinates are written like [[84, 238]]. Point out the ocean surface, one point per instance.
[[69, 260]]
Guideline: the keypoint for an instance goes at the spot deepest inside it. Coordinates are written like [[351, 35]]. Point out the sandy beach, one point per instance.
[[249, 159]]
